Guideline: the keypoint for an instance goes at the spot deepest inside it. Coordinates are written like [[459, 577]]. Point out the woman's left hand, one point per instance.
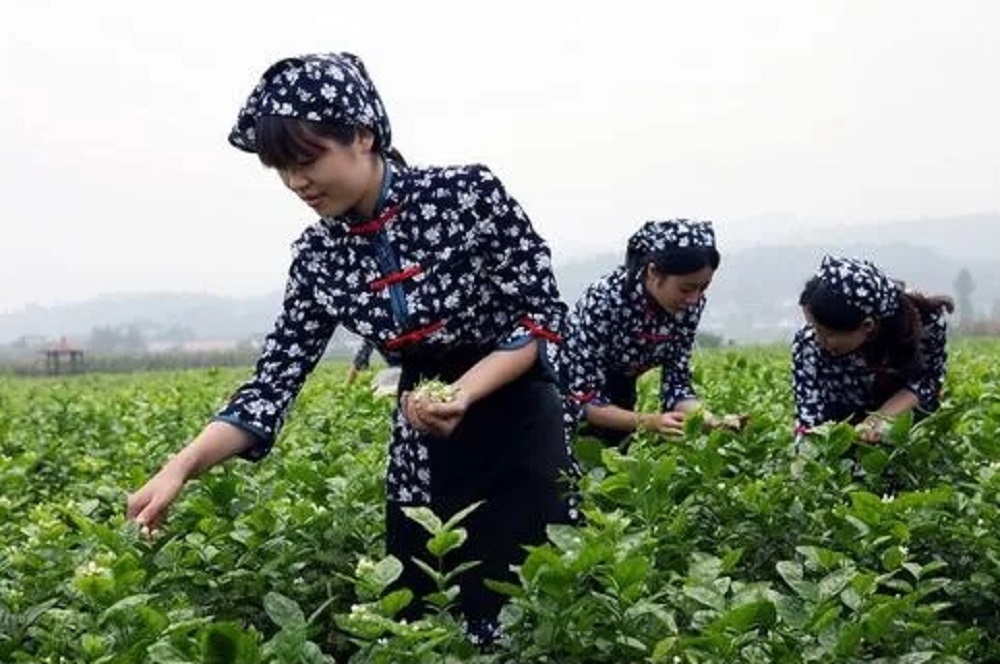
[[436, 418], [872, 430]]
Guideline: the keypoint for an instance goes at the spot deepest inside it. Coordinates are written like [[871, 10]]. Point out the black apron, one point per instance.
[[509, 451]]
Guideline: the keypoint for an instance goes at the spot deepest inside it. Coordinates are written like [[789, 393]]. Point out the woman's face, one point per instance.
[[837, 342], [341, 179], [677, 292]]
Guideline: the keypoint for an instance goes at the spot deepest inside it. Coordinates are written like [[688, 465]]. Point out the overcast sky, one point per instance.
[[765, 116]]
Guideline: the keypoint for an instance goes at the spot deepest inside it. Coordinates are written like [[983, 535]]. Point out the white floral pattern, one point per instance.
[[319, 87], [862, 284], [616, 328], [832, 388], [453, 262]]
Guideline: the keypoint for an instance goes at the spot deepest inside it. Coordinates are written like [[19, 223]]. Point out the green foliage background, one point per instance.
[[720, 547]]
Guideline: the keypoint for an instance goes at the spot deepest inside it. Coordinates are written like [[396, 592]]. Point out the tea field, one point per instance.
[[718, 547]]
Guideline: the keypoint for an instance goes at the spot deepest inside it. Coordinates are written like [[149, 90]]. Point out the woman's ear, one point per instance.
[[869, 326], [365, 139]]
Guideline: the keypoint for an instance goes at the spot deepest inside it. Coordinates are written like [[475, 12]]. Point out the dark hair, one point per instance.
[[283, 142], [897, 337], [683, 260]]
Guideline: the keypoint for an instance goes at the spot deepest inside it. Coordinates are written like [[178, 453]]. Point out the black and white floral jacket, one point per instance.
[[832, 388], [616, 328], [452, 260]]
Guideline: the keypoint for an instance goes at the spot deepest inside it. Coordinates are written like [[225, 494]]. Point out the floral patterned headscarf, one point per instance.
[[862, 284], [320, 87], [671, 234]]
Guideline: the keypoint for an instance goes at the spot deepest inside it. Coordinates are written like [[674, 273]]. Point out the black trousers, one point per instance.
[[509, 451]]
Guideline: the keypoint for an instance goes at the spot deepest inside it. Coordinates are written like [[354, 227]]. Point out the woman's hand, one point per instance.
[[670, 423], [217, 441], [438, 418], [872, 430], [148, 506], [730, 422]]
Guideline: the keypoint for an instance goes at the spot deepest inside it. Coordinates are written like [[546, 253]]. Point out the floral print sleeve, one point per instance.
[[290, 352], [927, 384], [675, 377], [588, 335], [810, 408], [519, 263]]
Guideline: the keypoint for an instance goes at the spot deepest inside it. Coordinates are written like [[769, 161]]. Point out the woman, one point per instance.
[[385, 382], [642, 315], [360, 362], [439, 267], [869, 351]]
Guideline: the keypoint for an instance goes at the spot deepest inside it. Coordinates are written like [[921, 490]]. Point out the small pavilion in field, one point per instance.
[[63, 357]]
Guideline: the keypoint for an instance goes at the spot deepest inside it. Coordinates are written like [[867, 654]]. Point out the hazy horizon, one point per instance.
[[775, 119]]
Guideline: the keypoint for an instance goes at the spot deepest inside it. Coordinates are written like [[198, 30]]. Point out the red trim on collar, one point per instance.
[[652, 336], [537, 330], [395, 277], [414, 336], [587, 397], [376, 224]]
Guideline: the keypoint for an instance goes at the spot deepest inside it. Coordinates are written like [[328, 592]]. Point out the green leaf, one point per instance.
[[704, 568], [227, 643], [826, 618], [851, 599], [867, 507], [460, 568], [836, 581], [395, 601], [284, 612], [130, 602], [873, 459], [746, 616], [706, 596], [694, 423], [902, 424], [425, 517], [588, 451], [820, 558], [385, 573], [840, 439], [445, 541], [505, 588], [566, 538], [664, 650], [849, 641], [730, 560], [33, 613], [435, 575], [791, 572], [791, 611], [892, 558], [630, 571], [876, 621], [632, 643], [459, 516], [443, 598], [164, 652]]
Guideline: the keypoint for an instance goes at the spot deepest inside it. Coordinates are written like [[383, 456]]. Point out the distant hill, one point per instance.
[[754, 295], [967, 238], [752, 299], [205, 316]]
